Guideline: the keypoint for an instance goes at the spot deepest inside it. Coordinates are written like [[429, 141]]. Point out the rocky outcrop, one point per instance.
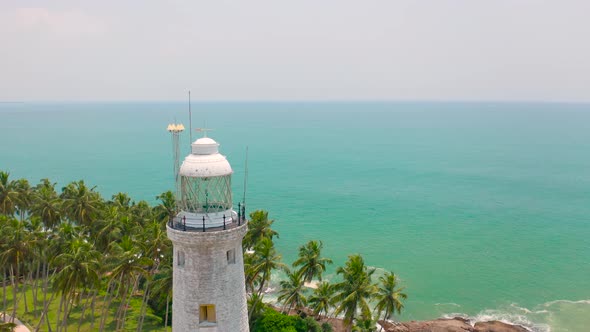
[[456, 324], [496, 326]]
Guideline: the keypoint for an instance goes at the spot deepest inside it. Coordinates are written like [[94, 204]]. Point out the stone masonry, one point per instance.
[[209, 278]]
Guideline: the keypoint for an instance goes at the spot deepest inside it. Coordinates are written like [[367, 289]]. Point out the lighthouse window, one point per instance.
[[180, 260], [231, 256], [207, 314]]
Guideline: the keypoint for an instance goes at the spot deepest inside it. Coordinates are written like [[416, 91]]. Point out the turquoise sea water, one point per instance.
[[482, 209]]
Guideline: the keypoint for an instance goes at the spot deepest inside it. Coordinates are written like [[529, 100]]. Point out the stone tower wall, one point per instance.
[[208, 278]]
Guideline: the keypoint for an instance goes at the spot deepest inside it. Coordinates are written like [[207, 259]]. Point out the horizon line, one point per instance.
[[315, 101]]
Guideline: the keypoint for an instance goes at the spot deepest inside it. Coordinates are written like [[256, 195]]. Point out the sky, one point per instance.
[[505, 50]]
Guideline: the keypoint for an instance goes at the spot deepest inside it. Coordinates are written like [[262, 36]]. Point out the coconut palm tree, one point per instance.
[[259, 227], [256, 308], [312, 264], [24, 195], [141, 212], [121, 200], [19, 246], [108, 228], [266, 259], [8, 195], [80, 203], [128, 266], [252, 277], [46, 204], [389, 297], [365, 325], [162, 285], [79, 266], [156, 244], [167, 209], [291, 293], [4, 243], [354, 292], [321, 299]]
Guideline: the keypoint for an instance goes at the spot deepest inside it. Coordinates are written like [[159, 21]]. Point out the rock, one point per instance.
[[456, 324], [497, 326]]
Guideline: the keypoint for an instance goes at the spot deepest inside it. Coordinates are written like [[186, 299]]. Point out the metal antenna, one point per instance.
[[190, 118], [175, 129], [245, 176]]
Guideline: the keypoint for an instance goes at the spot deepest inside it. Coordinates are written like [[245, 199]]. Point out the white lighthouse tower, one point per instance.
[[209, 293]]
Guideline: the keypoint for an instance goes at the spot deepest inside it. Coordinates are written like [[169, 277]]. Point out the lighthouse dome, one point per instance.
[[205, 160]]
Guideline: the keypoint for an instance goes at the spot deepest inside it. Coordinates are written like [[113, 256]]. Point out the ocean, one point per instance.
[[481, 209]]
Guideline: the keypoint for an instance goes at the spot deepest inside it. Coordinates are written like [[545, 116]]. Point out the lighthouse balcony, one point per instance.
[[206, 222]]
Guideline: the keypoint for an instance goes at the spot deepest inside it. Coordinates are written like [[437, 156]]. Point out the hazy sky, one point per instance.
[[295, 50]]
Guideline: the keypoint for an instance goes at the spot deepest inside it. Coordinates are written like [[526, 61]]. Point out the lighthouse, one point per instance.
[[209, 293]]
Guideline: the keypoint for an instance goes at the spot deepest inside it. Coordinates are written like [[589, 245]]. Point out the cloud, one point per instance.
[[60, 23]]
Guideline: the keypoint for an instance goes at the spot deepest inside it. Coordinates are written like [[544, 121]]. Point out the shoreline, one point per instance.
[[442, 324], [454, 324]]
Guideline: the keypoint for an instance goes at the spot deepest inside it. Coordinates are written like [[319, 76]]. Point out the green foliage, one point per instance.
[[259, 227], [355, 291], [291, 293], [322, 298], [310, 260], [76, 250], [365, 325], [312, 325], [7, 327], [389, 297], [272, 321], [326, 327]]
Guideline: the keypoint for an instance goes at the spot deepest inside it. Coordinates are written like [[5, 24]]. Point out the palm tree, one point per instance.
[[291, 293], [312, 265], [19, 246], [256, 308], [355, 290], [80, 203], [251, 276], [24, 195], [365, 325], [141, 212], [259, 227], [110, 227], [46, 204], [79, 267], [162, 285], [128, 266], [166, 210], [389, 298], [155, 244], [265, 259], [4, 243], [121, 200], [321, 299], [8, 195]]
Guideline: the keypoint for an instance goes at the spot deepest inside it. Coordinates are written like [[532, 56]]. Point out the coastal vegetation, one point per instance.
[[72, 260]]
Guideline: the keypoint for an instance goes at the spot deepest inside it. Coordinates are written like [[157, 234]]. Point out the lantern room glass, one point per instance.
[[205, 195]]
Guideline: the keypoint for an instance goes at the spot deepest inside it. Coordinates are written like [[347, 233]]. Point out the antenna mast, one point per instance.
[[175, 129], [245, 177], [190, 118]]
